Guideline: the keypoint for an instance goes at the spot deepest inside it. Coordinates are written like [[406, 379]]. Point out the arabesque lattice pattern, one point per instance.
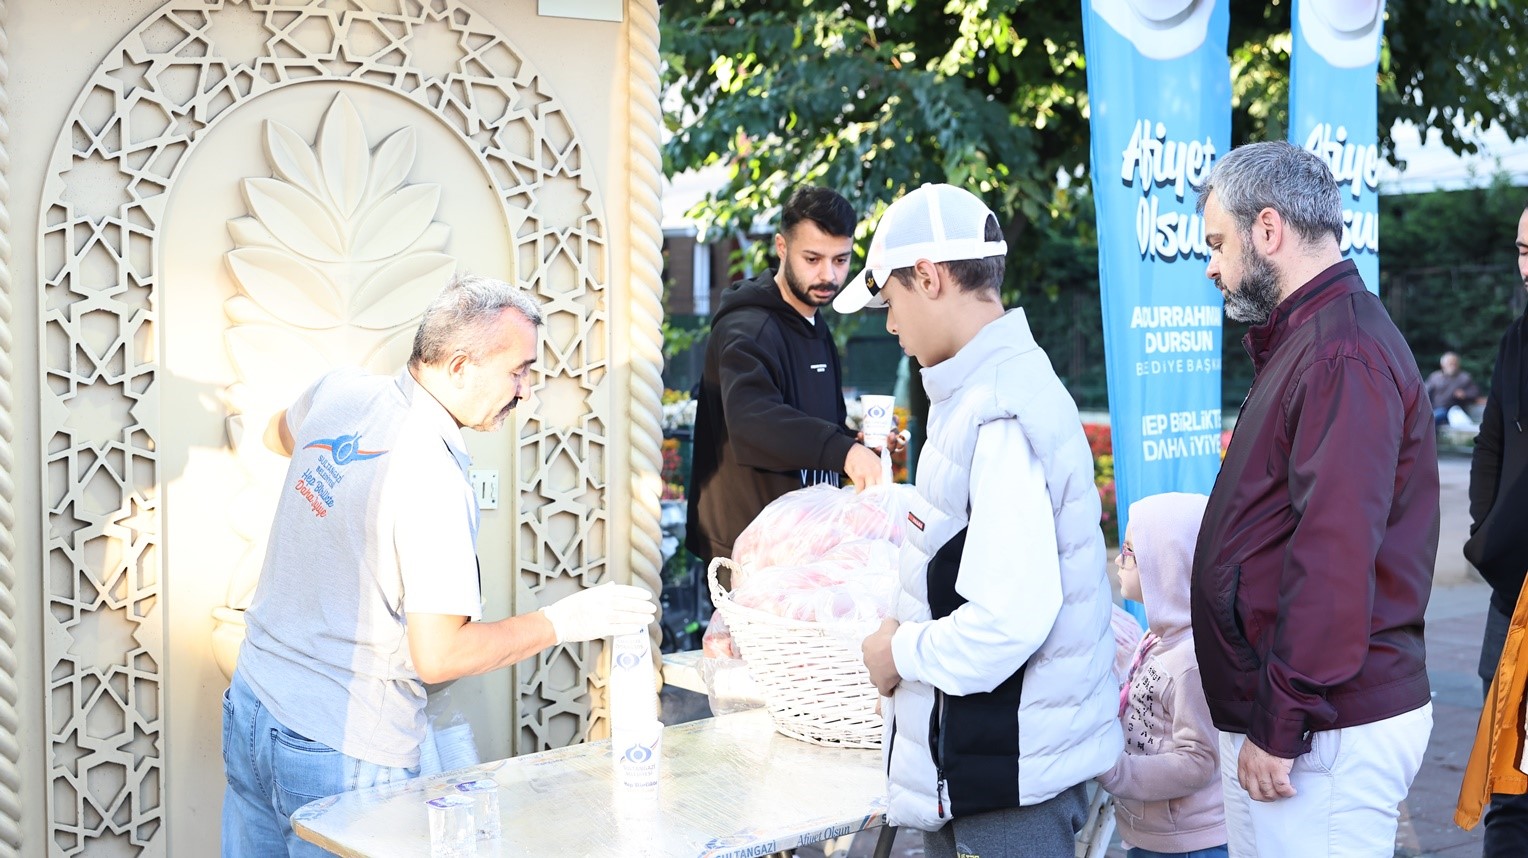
[[175, 76]]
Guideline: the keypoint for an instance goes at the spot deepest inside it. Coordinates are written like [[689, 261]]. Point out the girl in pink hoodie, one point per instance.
[[1166, 784]]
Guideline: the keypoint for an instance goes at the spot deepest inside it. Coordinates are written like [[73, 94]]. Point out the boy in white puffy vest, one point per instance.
[[997, 670]]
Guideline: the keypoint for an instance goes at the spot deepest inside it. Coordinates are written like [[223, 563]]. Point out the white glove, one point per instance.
[[599, 612]]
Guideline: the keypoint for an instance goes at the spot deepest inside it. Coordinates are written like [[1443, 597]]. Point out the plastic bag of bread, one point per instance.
[[852, 582], [822, 555], [717, 641], [729, 687], [801, 526]]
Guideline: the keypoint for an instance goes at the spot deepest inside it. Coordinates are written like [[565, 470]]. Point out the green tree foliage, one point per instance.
[[1449, 271], [1446, 65], [873, 97], [1449, 63]]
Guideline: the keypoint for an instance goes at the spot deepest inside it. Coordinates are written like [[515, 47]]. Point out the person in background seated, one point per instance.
[[1449, 386]]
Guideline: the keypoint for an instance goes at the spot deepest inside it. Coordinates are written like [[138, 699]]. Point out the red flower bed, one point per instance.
[[1100, 442]]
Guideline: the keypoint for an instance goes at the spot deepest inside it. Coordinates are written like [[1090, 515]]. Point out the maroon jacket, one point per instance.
[[1315, 557]]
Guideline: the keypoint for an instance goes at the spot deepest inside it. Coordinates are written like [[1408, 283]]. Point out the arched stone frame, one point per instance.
[[100, 514]]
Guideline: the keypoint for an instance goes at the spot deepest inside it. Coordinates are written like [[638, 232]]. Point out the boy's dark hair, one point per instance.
[[822, 206], [973, 275]]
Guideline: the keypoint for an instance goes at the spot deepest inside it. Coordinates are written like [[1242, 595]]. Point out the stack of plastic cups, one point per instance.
[[636, 734], [636, 743]]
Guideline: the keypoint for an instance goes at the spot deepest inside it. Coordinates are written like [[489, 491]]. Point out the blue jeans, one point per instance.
[[273, 771], [1212, 852]]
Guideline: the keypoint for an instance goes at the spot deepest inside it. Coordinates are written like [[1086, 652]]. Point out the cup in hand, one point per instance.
[[879, 418]]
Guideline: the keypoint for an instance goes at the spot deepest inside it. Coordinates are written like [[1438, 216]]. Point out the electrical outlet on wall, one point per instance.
[[485, 484]]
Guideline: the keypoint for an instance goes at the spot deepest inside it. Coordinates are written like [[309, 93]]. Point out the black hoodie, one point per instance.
[[1498, 543], [770, 416]]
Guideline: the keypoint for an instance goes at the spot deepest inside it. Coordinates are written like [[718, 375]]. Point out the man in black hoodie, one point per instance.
[[770, 416], [1498, 543]]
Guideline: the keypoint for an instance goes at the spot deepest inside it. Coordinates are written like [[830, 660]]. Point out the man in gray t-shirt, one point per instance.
[[370, 586]]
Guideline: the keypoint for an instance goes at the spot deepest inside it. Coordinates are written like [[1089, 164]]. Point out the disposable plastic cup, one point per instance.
[[484, 793], [453, 832], [879, 417]]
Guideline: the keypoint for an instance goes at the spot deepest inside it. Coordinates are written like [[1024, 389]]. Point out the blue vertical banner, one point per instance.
[[1159, 96], [1334, 111]]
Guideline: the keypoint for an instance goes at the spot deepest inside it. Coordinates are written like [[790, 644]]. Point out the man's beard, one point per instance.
[[1257, 295], [504, 413], [496, 422], [803, 291]]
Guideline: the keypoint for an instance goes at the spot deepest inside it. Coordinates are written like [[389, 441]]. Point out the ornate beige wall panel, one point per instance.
[[268, 174], [10, 717]]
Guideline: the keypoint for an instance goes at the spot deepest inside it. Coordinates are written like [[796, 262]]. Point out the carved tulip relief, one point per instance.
[[332, 266]]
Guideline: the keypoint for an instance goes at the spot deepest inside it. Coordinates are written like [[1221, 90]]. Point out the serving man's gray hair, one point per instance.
[[1279, 175], [461, 316]]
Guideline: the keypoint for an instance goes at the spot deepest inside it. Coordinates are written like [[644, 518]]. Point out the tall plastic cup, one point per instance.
[[633, 683], [880, 416], [637, 749]]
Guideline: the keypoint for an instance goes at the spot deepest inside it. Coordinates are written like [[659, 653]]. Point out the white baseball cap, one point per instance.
[[940, 223]]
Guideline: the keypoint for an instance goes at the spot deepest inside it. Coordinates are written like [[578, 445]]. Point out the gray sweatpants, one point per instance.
[[1045, 830]]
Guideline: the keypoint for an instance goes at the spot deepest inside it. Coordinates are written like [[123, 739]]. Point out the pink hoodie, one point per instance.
[[1167, 782]]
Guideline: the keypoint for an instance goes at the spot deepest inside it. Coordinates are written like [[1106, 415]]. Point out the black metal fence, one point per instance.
[[1462, 309]]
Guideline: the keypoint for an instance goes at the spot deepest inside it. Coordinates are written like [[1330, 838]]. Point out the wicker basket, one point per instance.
[[814, 682]]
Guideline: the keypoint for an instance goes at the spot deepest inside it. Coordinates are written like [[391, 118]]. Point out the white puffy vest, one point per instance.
[[1067, 725]]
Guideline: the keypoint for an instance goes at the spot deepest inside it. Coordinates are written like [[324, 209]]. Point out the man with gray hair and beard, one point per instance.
[[371, 587], [1315, 556]]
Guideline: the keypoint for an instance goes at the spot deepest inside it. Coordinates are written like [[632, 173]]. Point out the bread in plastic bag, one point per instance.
[[729, 687], [823, 554], [801, 526], [853, 582]]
